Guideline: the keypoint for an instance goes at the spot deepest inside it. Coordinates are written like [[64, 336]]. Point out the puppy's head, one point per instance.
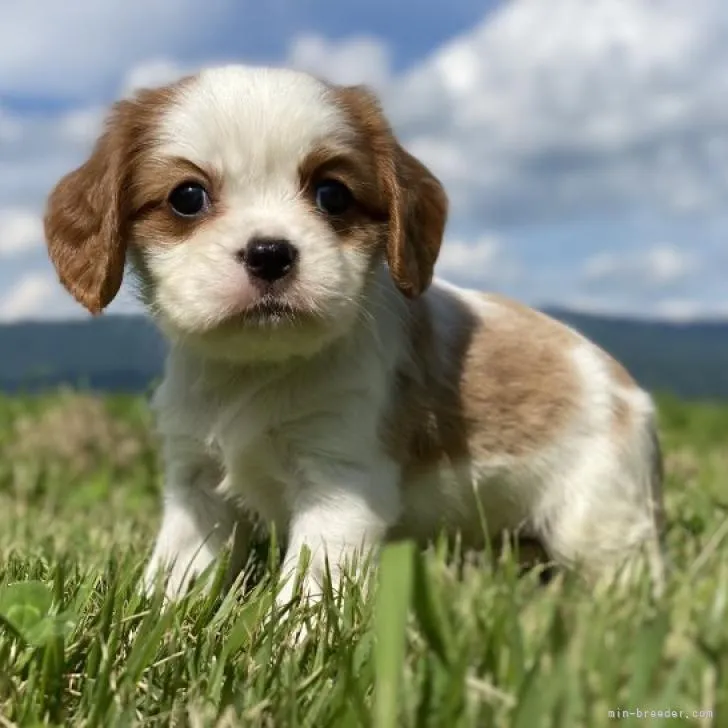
[[253, 205]]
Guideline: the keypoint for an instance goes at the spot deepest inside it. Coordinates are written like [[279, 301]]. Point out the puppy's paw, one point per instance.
[[293, 616], [174, 582]]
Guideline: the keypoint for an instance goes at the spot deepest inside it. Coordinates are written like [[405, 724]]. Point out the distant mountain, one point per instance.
[[126, 353], [110, 353]]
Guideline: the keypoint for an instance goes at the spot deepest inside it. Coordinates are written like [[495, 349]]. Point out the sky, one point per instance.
[[583, 143]]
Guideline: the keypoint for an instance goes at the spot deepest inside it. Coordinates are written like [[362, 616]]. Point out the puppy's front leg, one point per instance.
[[341, 513], [196, 521]]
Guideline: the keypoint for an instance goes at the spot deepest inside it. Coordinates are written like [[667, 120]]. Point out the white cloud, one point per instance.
[[155, 72], [353, 61], [80, 127], [21, 230], [77, 48], [458, 256], [690, 309], [482, 260], [39, 295], [678, 310], [658, 266], [10, 128], [667, 264], [28, 298]]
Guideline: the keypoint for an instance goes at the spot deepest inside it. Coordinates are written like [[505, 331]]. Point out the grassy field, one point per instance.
[[433, 645]]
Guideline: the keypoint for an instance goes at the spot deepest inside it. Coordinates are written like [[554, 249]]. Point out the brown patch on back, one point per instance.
[[502, 384], [519, 386], [88, 216]]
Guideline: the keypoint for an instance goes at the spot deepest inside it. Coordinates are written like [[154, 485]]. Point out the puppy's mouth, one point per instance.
[[271, 308], [269, 311]]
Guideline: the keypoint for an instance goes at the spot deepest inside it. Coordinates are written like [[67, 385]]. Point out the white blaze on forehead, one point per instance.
[[246, 122]]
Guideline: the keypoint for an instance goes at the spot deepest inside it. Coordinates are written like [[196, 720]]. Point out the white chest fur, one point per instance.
[[273, 428]]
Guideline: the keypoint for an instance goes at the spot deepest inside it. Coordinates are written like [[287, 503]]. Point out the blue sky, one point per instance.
[[584, 143]]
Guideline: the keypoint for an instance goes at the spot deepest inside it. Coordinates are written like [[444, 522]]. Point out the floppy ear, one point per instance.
[[417, 203], [85, 220], [417, 217]]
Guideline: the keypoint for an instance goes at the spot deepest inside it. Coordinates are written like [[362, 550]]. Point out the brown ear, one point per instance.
[[417, 203], [417, 217], [85, 221]]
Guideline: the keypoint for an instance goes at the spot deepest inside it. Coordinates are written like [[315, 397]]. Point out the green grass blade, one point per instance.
[[396, 577]]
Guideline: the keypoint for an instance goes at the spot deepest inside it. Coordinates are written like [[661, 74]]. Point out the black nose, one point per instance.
[[269, 258]]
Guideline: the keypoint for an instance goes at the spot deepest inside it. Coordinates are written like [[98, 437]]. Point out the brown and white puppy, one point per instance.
[[318, 379]]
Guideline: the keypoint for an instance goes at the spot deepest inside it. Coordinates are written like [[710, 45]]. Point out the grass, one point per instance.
[[432, 645]]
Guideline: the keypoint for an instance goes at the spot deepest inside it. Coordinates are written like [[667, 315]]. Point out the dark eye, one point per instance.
[[189, 199], [333, 197]]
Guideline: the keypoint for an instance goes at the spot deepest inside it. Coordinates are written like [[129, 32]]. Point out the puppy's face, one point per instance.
[[253, 205]]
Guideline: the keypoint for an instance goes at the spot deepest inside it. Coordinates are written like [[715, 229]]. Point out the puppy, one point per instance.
[[317, 378]]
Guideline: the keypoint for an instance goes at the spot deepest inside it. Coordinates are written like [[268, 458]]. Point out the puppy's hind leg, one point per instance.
[[605, 518]]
